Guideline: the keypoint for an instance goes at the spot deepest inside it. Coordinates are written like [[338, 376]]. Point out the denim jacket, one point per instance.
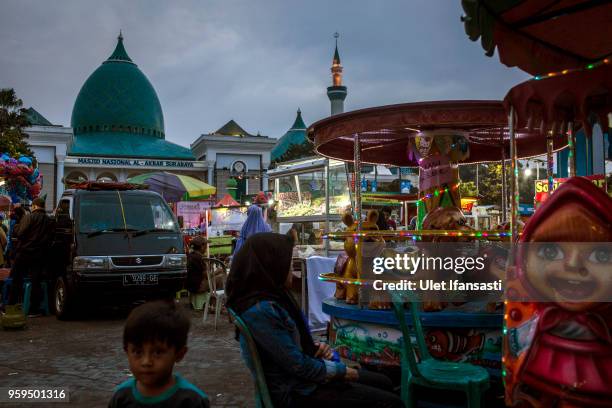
[[287, 369]]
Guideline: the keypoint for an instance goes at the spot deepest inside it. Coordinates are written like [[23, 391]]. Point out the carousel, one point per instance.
[[549, 343], [436, 137]]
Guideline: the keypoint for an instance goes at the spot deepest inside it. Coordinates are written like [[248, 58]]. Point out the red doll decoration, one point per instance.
[[558, 351]]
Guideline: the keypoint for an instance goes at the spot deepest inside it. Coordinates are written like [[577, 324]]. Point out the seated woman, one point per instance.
[[299, 372]]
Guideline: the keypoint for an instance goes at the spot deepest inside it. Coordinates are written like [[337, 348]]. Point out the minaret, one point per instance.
[[337, 92]]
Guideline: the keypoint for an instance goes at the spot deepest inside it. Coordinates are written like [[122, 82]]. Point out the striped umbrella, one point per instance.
[[174, 187]]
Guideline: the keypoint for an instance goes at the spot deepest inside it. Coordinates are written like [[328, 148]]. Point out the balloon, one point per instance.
[[25, 160]]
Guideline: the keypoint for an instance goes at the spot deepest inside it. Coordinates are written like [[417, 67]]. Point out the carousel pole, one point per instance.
[[327, 193], [549, 161], [357, 178], [504, 184], [515, 179], [571, 143]]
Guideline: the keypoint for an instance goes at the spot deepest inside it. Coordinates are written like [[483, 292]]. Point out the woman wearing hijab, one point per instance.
[[254, 224], [299, 372]]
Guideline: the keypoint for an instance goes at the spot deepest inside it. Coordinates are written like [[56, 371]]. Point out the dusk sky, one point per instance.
[[252, 61]]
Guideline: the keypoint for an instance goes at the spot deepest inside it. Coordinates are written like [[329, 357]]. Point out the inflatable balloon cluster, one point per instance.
[[23, 181]]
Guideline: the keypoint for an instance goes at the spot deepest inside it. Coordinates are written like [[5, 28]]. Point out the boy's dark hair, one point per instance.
[[39, 202], [157, 321]]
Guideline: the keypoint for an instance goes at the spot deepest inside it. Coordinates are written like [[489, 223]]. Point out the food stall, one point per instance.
[[310, 195]]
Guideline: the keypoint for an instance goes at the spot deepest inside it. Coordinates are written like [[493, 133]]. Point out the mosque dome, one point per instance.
[[117, 97], [117, 114], [296, 135]]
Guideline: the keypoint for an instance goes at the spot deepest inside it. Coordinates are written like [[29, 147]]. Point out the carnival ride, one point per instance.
[[436, 137]]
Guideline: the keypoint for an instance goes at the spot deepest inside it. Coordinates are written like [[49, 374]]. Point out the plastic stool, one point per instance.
[[198, 300], [182, 293], [13, 318], [27, 292]]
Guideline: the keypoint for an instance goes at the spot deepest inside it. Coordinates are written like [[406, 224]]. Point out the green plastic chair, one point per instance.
[[262, 396], [429, 372]]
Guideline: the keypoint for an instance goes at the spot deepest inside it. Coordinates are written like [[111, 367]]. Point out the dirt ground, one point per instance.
[[86, 358]]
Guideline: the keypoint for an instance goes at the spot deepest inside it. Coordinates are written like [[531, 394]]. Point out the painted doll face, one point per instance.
[[569, 260], [423, 144], [573, 275]]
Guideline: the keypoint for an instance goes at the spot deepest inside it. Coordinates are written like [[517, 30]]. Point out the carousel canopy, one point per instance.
[[581, 97], [387, 133], [540, 36]]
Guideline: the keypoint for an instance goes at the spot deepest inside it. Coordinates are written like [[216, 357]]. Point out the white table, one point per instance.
[[318, 290]]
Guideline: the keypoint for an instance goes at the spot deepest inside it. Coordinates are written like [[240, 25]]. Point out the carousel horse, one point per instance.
[[350, 293]]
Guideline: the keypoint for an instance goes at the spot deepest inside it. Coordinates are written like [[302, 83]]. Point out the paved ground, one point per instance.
[[86, 357]]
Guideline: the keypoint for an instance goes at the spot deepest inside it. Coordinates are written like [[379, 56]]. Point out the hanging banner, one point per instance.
[[228, 218], [435, 172], [541, 186], [193, 212]]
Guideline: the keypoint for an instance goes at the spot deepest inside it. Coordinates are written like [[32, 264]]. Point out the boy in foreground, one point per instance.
[[154, 339]]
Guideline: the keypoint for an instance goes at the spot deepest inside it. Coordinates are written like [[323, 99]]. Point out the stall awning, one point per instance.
[[227, 201]]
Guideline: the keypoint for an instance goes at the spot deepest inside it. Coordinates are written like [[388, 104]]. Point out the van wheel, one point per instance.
[[63, 300]]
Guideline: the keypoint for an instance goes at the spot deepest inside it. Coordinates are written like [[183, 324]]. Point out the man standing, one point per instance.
[[34, 234]]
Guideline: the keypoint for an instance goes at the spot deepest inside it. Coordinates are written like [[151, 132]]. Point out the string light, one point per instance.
[[331, 277], [423, 233], [437, 193], [567, 71]]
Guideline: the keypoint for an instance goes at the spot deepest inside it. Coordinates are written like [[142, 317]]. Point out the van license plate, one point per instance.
[[140, 279]]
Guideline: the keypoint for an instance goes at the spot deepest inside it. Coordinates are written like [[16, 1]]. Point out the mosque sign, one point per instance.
[[126, 162]]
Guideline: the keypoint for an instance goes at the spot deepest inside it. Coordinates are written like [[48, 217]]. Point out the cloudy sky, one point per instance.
[[252, 61]]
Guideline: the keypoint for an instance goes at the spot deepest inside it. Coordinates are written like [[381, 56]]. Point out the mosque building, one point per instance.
[[118, 126], [116, 132], [235, 154]]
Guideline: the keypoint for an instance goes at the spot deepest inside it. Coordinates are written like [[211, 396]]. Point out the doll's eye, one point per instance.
[[601, 255], [550, 252]]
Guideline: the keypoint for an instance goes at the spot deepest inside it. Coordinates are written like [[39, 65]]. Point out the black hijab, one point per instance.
[[258, 272]]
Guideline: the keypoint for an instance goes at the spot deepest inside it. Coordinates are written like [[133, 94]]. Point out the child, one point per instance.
[[154, 339]]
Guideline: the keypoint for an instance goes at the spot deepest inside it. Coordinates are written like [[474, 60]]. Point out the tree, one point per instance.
[[467, 189], [12, 121]]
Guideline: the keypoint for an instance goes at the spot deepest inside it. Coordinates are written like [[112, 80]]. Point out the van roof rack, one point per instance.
[[103, 185]]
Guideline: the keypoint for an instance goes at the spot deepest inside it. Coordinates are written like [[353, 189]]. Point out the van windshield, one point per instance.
[[106, 212]]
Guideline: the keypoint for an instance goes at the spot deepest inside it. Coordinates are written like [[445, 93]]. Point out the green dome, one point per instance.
[[118, 98], [296, 135]]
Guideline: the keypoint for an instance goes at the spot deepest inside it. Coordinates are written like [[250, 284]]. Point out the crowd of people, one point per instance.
[[26, 250], [299, 371]]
